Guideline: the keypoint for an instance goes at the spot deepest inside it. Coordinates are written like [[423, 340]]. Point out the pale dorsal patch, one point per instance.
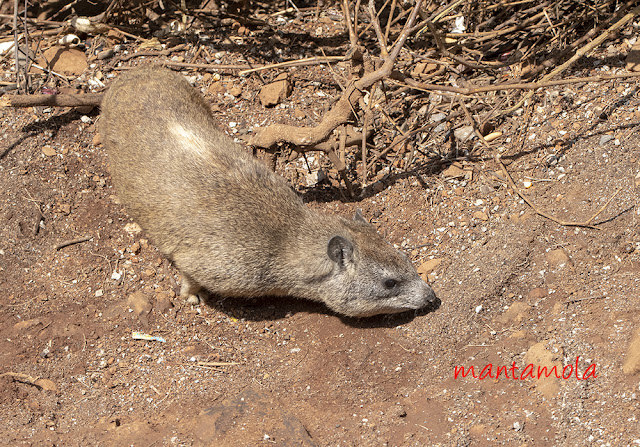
[[188, 141]]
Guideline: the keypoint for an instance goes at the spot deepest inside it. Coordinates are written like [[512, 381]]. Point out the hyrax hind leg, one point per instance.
[[190, 290]]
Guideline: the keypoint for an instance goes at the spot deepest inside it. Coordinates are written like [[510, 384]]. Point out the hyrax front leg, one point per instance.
[[190, 290]]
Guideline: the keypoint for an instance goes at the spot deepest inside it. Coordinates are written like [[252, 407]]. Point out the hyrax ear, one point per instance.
[[340, 250], [359, 217]]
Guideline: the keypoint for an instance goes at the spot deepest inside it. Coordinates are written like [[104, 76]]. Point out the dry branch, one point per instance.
[[501, 34], [503, 87], [61, 100], [581, 52], [306, 138]]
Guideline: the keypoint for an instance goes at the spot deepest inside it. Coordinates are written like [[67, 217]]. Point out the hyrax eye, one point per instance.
[[390, 283]]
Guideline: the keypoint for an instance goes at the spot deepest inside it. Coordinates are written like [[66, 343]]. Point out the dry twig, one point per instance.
[[73, 242], [61, 100], [586, 224]]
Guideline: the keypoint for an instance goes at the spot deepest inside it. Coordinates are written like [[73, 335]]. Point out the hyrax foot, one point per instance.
[[190, 291]]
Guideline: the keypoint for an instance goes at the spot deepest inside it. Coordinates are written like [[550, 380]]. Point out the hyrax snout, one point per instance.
[[230, 224]]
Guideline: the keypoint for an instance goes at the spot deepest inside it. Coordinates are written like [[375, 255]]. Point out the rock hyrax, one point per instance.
[[229, 223]]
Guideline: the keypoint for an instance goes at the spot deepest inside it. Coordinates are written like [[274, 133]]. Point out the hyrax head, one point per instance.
[[368, 276]]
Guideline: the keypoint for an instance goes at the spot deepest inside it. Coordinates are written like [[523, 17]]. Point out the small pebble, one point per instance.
[[463, 133], [105, 54], [48, 151], [604, 139], [480, 216]]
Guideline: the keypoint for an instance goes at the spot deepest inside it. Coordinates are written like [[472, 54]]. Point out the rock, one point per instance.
[[235, 91], [633, 58], [48, 151], [139, 303], [69, 61], [519, 335], [630, 267], [215, 88], [537, 294], [133, 228], [315, 177], [299, 114], [46, 384], [150, 44], [480, 216], [558, 258], [273, 93], [428, 266], [477, 430], [424, 68], [250, 414], [517, 312], [437, 117], [604, 139], [552, 160], [453, 171], [135, 248], [557, 309], [540, 357], [163, 302], [27, 324], [105, 54], [486, 189], [632, 360], [463, 133], [397, 411]]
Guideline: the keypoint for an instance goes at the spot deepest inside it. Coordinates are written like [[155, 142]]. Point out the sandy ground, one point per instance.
[[518, 291]]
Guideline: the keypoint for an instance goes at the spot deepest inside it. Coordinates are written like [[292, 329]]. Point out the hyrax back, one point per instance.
[[228, 223]]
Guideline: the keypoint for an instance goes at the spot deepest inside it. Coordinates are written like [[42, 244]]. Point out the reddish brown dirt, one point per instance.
[[298, 374]]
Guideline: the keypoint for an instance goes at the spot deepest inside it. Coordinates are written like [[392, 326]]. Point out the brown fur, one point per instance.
[[228, 223]]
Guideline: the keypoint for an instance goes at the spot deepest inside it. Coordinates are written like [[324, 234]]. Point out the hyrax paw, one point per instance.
[[193, 299], [190, 291]]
